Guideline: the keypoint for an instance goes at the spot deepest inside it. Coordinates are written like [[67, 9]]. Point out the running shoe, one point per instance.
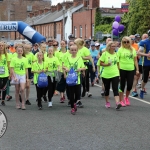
[[127, 101], [73, 112], [79, 104], [145, 91], [92, 83], [118, 105], [3, 103], [102, 93], [28, 102], [45, 98], [64, 97], [141, 94], [49, 104], [88, 94], [123, 104], [9, 98], [134, 94], [75, 107], [61, 100], [107, 105]]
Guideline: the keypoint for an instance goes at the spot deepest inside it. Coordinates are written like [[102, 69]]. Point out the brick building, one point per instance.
[[19, 10]]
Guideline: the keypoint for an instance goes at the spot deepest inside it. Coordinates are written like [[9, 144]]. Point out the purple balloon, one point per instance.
[[115, 25], [115, 32], [121, 28], [118, 18]]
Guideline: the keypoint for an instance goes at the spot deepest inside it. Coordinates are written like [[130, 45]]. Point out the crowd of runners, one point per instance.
[[120, 64]]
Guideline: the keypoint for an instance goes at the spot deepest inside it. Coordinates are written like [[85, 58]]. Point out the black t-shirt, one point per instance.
[[34, 52]]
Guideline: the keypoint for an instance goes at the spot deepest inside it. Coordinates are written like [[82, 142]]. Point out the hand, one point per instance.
[[148, 55], [15, 79], [94, 69], [109, 64], [137, 72]]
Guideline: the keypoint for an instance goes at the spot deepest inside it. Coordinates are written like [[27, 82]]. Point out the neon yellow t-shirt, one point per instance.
[[100, 67], [76, 63], [37, 67], [110, 71], [56, 53], [52, 65], [126, 58], [19, 65], [4, 72], [84, 52], [30, 58], [14, 55], [45, 56], [66, 55]]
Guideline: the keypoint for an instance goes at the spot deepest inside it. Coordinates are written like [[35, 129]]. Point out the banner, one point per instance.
[[8, 26]]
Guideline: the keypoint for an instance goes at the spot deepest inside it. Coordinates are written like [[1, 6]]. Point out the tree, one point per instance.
[[137, 20], [97, 17]]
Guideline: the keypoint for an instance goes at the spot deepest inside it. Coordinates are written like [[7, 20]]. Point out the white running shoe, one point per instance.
[[49, 104]]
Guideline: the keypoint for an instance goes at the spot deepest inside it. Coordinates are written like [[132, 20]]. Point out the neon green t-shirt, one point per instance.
[[56, 53], [66, 55], [84, 52], [4, 72], [14, 55], [30, 58], [37, 67], [100, 67], [126, 58], [76, 63], [52, 65], [110, 71], [45, 56], [19, 65]]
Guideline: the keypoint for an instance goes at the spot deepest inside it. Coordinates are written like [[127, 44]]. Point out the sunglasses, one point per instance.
[[132, 39], [55, 45], [126, 42]]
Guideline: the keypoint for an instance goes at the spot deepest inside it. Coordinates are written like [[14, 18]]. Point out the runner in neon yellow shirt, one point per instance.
[[76, 62], [110, 75], [128, 63], [19, 68], [85, 54], [38, 67], [52, 66], [30, 57], [4, 71]]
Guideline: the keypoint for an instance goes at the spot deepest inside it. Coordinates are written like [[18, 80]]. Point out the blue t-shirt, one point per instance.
[[146, 45], [102, 47], [94, 55]]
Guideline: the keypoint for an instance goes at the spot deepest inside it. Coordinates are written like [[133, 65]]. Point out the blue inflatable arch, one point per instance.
[[24, 29]]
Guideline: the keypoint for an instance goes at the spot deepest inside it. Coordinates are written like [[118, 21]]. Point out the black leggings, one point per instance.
[[85, 81], [126, 76], [74, 92], [51, 88], [39, 92], [115, 82], [3, 85]]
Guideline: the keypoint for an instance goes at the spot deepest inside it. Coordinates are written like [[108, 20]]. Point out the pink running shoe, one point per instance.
[[64, 97], [107, 105], [75, 107], [127, 101], [73, 112], [61, 100], [123, 104]]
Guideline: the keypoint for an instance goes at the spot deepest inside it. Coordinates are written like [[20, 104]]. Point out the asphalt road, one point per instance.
[[93, 127]]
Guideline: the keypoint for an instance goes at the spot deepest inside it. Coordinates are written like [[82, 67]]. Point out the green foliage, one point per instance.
[[137, 20], [97, 17], [105, 28]]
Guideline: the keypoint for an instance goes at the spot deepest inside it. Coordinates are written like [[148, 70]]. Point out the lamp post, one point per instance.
[[8, 17], [63, 20]]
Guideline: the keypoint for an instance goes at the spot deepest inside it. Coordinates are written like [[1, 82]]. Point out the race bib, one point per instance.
[[2, 70]]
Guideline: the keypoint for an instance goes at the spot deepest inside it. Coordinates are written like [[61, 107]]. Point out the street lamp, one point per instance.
[[63, 20]]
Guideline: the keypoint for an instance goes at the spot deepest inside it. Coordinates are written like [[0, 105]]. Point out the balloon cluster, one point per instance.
[[116, 27]]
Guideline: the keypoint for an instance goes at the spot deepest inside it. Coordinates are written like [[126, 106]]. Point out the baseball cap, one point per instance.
[[11, 44], [137, 35], [97, 44], [92, 44]]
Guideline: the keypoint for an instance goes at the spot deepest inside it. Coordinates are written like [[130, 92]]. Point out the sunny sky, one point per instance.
[[103, 3]]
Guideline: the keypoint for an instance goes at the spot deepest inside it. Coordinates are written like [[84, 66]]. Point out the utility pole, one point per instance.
[[63, 20]]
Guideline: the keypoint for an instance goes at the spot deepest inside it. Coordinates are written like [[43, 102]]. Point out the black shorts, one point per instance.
[[30, 74], [146, 70], [140, 69]]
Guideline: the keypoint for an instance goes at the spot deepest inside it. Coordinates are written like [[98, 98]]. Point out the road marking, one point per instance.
[[129, 96]]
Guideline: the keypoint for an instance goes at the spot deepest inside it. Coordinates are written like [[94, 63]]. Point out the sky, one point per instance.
[[103, 3]]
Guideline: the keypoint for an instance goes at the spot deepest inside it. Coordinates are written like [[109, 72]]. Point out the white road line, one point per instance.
[[129, 96]]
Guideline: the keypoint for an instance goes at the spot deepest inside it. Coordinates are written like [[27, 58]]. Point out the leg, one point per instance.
[[107, 88], [28, 92], [22, 91], [17, 91]]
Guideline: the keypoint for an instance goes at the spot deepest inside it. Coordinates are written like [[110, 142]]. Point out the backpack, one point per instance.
[[72, 78], [42, 81]]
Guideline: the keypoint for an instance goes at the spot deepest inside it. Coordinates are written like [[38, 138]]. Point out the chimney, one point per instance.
[[53, 8], [36, 13], [46, 10], [59, 7], [68, 4], [76, 2], [85, 3], [93, 4], [41, 11], [31, 14]]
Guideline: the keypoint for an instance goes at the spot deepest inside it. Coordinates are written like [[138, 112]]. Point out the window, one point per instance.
[[80, 31], [92, 30], [75, 32]]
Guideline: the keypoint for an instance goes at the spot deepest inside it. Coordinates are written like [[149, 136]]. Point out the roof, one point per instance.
[[51, 16]]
